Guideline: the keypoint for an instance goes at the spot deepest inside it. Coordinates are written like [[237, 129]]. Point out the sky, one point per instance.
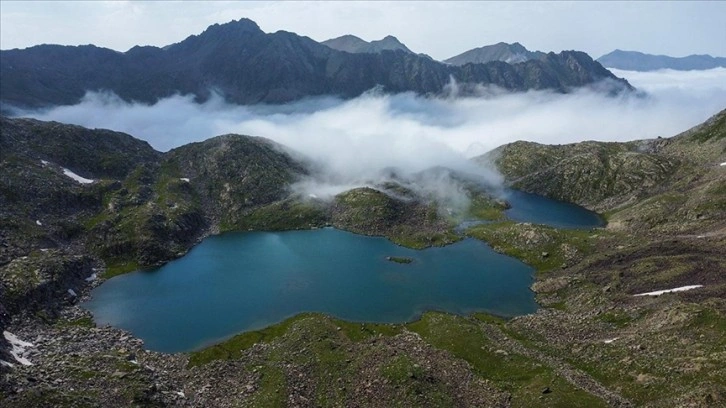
[[439, 29]]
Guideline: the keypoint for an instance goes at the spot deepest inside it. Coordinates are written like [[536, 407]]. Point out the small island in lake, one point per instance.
[[399, 259]]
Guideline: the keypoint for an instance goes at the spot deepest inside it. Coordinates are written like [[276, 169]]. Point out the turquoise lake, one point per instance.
[[237, 282]]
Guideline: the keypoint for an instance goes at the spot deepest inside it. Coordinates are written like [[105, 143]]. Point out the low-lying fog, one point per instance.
[[355, 139]]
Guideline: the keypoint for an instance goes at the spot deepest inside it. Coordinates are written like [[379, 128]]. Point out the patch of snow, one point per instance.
[[723, 164], [660, 292], [92, 278], [312, 196], [180, 393], [44, 163], [19, 348], [6, 364], [76, 177], [608, 341], [72, 292], [37, 222], [43, 249], [184, 179]]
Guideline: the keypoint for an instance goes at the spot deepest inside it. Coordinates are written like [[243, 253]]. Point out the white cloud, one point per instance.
[[355, 139]]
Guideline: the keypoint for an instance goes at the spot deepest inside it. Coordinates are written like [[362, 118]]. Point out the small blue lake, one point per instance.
[[238, 282], [536, 209]]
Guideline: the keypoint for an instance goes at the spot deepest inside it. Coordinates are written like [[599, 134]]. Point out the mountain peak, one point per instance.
[[243, 25], [352, 44], [501, 51]]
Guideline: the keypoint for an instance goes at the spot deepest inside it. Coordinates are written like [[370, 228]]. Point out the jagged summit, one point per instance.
[[238, 26], [509, 53]]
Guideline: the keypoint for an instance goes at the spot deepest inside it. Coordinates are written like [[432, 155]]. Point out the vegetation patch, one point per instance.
[[544, 248], [519, 375], [120, 267], [483, 207], [283, 216]]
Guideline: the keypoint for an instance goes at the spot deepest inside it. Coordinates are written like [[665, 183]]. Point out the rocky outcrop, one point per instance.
[[232, 174], [43, 282]]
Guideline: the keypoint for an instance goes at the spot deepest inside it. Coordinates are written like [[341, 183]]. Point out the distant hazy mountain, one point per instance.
[[247, 66], [637, 61], [509, 53], [353, 44]]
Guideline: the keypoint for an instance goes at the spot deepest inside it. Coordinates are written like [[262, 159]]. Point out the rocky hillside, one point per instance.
[[638, 61], [247, 66], [353, 44], [509, 53], [595, 175], [228, 186], [658, 183]]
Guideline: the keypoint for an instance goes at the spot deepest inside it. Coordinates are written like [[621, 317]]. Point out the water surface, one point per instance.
[[236, 282], [536, 209]]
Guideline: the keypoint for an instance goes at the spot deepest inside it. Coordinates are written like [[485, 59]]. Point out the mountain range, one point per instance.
[[247, 66], [638, 61]]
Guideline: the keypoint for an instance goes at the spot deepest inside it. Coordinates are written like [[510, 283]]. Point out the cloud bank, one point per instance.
[[354, 140]]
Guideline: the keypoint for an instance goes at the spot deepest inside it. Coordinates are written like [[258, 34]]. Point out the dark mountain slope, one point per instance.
[[247, 66], [561, 72], [41, 206], [91, 153]]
